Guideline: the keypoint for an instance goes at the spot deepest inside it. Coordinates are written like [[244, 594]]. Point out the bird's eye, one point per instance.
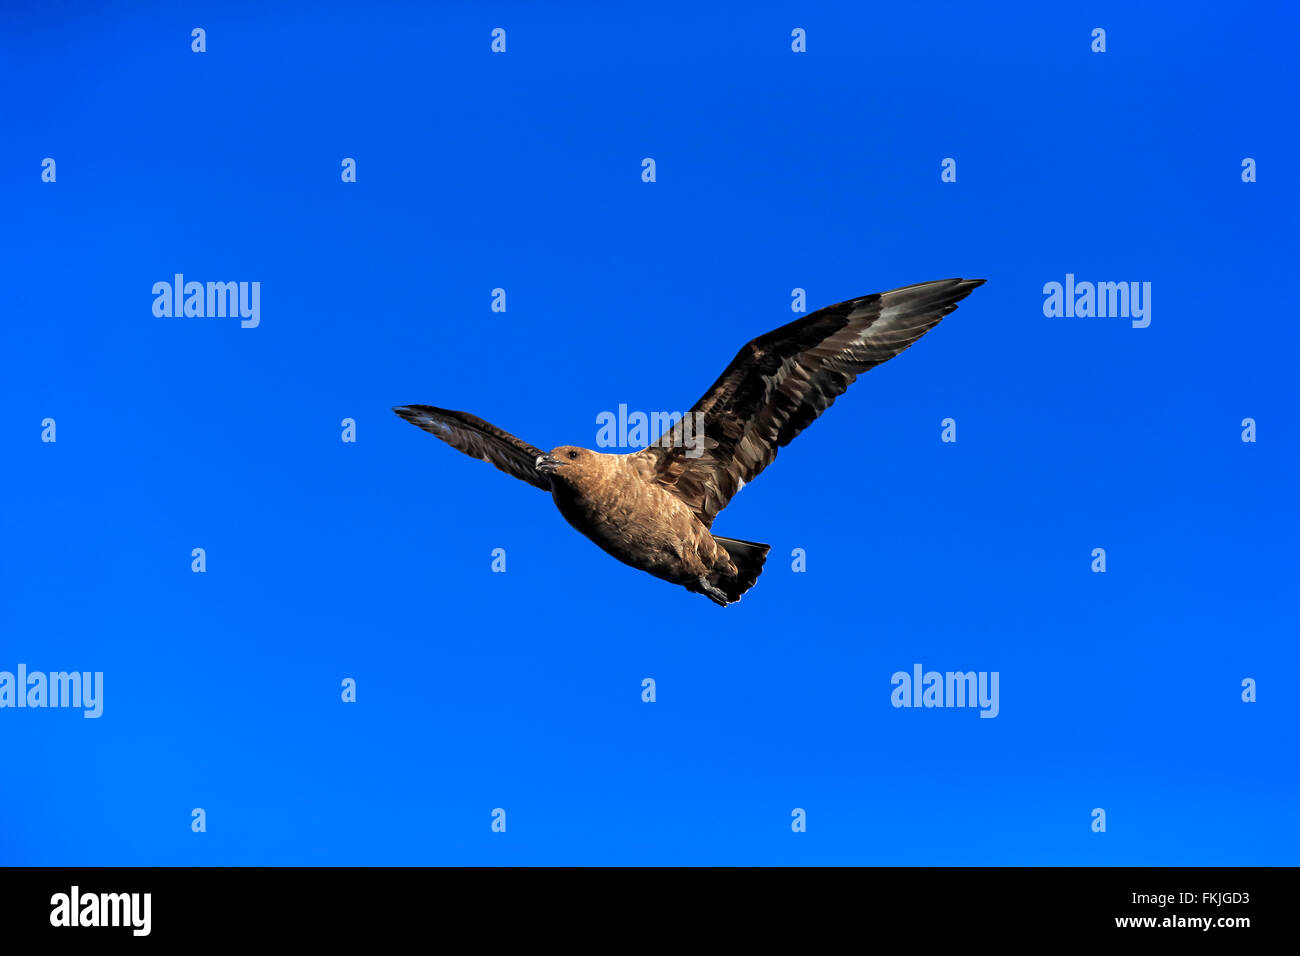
[[573, 454]]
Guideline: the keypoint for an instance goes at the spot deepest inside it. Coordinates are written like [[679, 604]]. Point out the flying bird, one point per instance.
[[653, 508]]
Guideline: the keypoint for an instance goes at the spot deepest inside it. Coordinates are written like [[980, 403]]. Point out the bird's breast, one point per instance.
[[639, 523]]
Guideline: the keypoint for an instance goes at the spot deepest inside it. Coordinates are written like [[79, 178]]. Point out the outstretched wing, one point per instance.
[[779, 383], [479, 439]]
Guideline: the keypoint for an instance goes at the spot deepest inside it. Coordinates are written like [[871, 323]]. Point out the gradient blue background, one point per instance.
[[522, 690]]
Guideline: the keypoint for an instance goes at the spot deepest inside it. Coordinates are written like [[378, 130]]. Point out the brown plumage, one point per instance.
[[653, 508]]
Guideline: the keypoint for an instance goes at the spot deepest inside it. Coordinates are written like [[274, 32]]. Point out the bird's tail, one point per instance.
[[748, 557]]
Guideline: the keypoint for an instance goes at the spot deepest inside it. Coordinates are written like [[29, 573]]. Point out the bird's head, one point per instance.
[[569, 464]]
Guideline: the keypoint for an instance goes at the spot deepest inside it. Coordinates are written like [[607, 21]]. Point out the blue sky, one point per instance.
[[774, 171]]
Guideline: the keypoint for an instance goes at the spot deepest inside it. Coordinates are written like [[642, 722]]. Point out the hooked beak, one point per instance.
[[546, 465]]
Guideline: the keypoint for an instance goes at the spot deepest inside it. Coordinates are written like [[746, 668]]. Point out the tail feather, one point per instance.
[[748, 557]]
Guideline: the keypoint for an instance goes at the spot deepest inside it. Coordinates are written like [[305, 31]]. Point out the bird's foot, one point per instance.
[[712, 593]]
